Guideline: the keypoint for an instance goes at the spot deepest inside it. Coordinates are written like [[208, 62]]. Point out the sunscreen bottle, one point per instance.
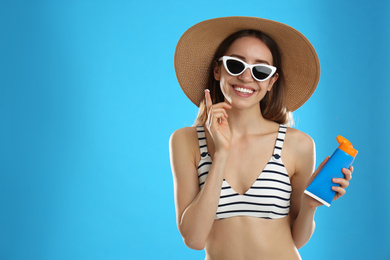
[[321, 187]]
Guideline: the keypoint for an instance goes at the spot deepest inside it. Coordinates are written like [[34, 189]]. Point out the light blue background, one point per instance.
[[89, 98]]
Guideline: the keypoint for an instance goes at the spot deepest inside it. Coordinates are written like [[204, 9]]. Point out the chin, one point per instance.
[[242, 104]]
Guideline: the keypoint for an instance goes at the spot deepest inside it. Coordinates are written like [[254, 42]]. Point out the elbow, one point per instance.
[[194, 244], [194, 241], [194, 237], [302, 240], [299, 245]]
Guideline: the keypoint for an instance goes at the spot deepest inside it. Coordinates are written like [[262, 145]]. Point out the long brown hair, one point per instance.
[[272, 105]]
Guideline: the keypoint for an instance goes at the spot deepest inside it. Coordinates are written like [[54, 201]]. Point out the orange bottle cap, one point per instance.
[[346, 146]]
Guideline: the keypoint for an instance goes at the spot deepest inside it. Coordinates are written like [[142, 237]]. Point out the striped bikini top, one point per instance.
[[269, 196]]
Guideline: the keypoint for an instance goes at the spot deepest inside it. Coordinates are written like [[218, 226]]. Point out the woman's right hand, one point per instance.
[[217, 123]]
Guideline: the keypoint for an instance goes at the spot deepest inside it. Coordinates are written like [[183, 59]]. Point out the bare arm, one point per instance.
[[303, 206], [302, 214], [196, 209]]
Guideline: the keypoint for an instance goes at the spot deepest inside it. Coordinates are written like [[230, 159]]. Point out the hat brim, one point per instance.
[[196, 48]]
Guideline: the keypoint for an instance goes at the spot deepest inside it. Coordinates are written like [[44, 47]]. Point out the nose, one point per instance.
[[246, 76]]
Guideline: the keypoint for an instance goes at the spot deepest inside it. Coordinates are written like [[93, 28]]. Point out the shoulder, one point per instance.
[[185, 134], [299, 141], [184, 153], [184, 140], [301, 148]]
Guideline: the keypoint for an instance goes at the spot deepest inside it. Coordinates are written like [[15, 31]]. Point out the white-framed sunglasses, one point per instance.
[[236, 67]]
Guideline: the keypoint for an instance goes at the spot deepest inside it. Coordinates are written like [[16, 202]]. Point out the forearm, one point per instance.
[[198, 218], [303, 227]]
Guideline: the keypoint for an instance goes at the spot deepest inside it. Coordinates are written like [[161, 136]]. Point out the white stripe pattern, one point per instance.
[[268, 197]]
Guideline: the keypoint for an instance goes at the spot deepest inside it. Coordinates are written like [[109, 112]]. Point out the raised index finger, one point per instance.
[[209, 102]]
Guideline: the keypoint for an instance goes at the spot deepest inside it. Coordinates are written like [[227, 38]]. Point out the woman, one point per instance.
[[240, 173]]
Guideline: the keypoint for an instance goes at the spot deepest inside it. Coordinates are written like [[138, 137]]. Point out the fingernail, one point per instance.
[[207, 90]]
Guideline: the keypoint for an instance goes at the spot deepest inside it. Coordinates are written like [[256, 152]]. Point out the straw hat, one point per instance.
[[196, 48]]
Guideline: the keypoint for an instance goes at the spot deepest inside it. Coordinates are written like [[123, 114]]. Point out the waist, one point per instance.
[[251, 238]]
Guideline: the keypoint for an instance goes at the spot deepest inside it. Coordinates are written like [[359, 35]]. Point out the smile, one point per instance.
[[243, 90]]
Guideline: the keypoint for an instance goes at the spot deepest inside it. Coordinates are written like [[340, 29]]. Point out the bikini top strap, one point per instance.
[[279, 141], [202, 141]]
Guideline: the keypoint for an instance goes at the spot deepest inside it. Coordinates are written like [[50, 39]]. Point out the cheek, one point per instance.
[[225, 89]]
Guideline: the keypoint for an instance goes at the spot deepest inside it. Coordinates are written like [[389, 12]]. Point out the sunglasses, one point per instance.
[[236, 67]]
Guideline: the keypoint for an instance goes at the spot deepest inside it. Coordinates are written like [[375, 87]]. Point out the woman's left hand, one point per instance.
[[340, 190], [343, 182]]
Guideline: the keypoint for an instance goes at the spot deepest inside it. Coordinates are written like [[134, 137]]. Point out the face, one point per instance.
[[243, 91]]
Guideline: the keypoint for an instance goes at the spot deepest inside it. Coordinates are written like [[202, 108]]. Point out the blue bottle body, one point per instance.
[[321, 187]]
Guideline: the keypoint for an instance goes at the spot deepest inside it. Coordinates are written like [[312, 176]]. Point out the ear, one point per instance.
[[272, 81], [217, 71]]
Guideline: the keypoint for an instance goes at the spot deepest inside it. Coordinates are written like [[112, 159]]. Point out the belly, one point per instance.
[[250, 238]]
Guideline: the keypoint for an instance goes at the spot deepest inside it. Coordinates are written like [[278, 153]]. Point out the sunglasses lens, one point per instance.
[[234, 66], [261, 72]]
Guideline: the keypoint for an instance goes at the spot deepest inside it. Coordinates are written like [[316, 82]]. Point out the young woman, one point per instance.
[[240, 172]]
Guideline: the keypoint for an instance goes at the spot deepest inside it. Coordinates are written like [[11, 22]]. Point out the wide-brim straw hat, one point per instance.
[[197, 46]]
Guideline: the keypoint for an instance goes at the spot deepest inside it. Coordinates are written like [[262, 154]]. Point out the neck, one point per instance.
[[247, 121]]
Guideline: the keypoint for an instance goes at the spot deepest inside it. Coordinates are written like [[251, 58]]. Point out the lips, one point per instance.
[[243, 91]]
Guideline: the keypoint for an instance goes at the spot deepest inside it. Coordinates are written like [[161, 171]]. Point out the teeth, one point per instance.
[[244, 90]]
